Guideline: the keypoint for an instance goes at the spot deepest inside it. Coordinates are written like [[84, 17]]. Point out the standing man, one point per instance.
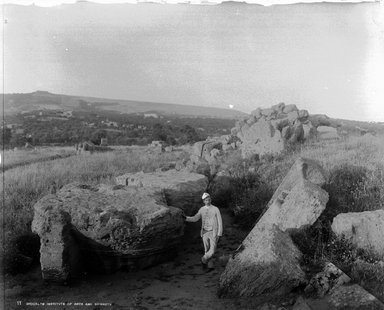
[[211, 228]]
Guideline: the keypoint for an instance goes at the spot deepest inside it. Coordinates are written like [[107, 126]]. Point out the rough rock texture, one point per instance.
[[59, 252], [301, 207], [182, 189], [261, 138], [198, 165], [353, 297], [326, 281], [313, 173], [320, 120], [257, 267], [310, 131], [267, 131], [267, 261], [364, 229], [104, 228], [345, 297], [301, 304]]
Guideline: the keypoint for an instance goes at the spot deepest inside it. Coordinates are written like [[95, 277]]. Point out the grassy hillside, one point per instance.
[[15, 103]]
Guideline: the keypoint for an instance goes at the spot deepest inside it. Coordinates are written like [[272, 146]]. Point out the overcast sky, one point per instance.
[[326, 58]]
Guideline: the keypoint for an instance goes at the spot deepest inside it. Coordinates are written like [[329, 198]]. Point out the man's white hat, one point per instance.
[[205, 195]]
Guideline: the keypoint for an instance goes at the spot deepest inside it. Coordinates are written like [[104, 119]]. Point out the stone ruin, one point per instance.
[[268, 131], [265, 131], [104, 228], [268, 260]]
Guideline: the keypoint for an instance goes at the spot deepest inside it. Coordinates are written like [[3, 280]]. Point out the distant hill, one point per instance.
[[39, 100]]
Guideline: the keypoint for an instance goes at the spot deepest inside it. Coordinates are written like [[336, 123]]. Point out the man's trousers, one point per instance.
[[209, 241]]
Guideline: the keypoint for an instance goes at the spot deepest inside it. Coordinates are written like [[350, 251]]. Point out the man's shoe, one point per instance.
[[210, 265], [204, 263]]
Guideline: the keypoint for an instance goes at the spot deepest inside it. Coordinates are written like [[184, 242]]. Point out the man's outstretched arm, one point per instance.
[[194, 218]]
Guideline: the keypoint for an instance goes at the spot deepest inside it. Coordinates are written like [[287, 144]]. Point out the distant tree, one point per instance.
[[171, 140], [190, 134], [6, 135], [158, 132], [98, 135]]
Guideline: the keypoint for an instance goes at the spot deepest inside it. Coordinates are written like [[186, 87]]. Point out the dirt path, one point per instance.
[[178, 284]]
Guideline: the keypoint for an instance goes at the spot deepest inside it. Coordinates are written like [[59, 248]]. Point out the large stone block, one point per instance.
[[59, 253], [290, 108], [257, 113], [261, 138], [182, 189], [104, 228], [364, 229], [319, 120], [279, 107], [301, 207], [266, 262], [268, 112], [310, 131], [198, 148], [312, 171], [297, 133]]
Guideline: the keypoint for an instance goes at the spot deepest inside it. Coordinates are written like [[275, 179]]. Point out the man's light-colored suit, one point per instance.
[[211, 228]]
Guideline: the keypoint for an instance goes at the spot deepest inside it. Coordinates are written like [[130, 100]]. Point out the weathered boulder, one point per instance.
[[301, 207], [279, 124], [344, 297], [180, 164], [198, 148], [286, 132], [261, 138], [310, 169], [326, 281], [364, 229], [319, 120], [303, 115], [310, 131], [234, 131], [267, 261], [279, 107], [290, 108], [210, 145], [256, 113], [198, 165], [297, 133], [251, 120], [352, 297], [267, 112], [104, 228], [59, 251], [293, 116], [182, 189]]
